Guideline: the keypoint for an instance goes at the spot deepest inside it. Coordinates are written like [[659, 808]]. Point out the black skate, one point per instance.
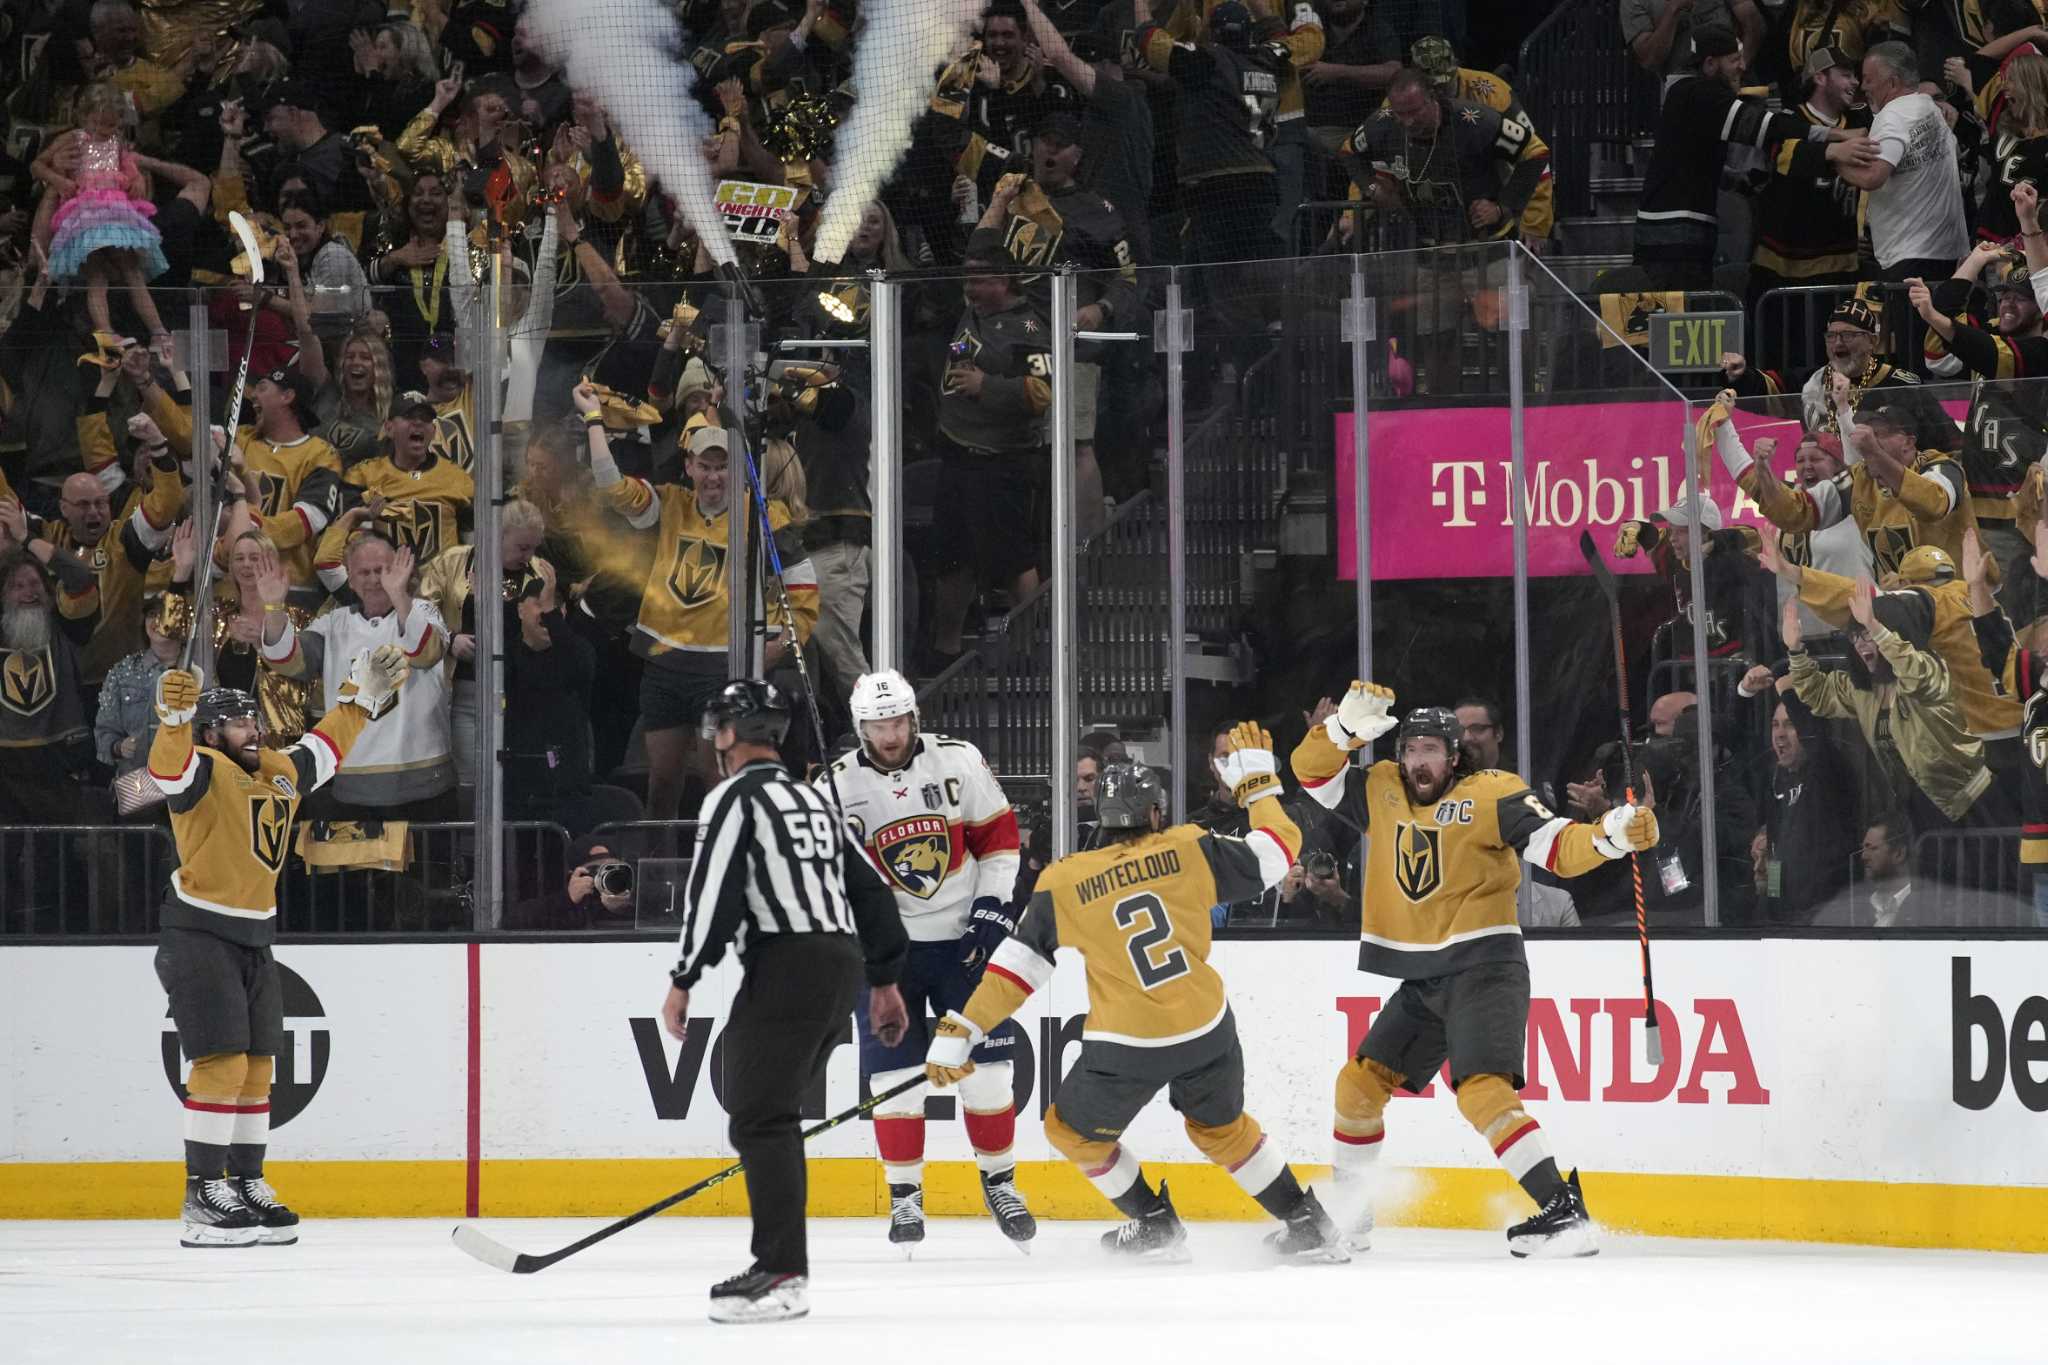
[[760, 1296], [906, 1214], [215, 1215], [1158, 1236], [1007, 1206], [1309, 1235], [280, 1224], [1561, 1227]]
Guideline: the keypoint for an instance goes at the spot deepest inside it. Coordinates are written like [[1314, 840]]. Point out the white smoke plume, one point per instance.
[[895, 61], [629, 53]]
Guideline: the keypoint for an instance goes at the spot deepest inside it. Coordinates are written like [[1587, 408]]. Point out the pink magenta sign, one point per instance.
[[1438, 498]]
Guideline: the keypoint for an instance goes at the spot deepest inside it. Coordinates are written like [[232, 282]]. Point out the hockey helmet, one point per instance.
[[1126, 794], [1433, 722], [757, 712], [1434, 57], [219, 705], [882, 695]]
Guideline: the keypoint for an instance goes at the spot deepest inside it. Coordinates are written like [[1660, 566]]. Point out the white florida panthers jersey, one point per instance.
[[940, 831]]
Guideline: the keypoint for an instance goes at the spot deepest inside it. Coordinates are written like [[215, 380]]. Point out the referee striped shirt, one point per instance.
[[773, 858]]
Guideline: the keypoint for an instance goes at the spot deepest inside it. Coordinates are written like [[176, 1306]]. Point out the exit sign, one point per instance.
[[1693, 341]]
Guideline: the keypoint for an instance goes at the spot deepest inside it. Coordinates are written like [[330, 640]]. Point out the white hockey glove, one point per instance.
[[946, 1061], [1249, 767], [1362, 717], [1625, 830], [374, 679], [177, 695]]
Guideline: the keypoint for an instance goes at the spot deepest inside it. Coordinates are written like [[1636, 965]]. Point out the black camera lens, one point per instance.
[[614, 879], [1319, 864]]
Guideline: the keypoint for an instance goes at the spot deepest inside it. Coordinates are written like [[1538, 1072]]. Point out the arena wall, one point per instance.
[[1814, 1089]]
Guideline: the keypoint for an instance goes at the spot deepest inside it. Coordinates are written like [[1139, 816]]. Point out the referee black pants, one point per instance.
[[791, 1010]]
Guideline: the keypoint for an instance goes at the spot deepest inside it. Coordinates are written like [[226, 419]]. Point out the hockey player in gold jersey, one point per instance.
[[1137, 910], [1439, 914], [231, 804]]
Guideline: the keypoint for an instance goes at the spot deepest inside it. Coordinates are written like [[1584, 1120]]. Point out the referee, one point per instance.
[[776, 877]]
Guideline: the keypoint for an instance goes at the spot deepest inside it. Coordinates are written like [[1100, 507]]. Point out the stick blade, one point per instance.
[[492, 1253], [246, 235], [1653, 1045]]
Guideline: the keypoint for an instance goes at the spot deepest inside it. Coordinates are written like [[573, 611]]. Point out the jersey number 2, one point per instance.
[[1154, 955]]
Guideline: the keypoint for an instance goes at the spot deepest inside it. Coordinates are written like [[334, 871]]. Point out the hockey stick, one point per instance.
[[202, 587], [498, 1256], [1653, 1046], [796, 648]]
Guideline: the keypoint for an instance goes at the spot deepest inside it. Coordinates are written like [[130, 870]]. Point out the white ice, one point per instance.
[[360, 1291]]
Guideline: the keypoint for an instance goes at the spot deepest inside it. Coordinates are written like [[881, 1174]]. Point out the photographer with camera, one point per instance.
[[599, 889]]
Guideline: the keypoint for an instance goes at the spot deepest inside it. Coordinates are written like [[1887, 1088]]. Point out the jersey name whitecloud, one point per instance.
[[1117, 875]]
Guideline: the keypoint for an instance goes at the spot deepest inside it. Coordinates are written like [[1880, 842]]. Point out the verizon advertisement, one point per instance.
[[1832, 1060]]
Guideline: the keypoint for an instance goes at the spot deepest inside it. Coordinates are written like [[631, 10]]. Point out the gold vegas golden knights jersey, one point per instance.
[[233, 827], [1138, 913], [683, 606], [426, 509], [1440, 880], [298, 483]]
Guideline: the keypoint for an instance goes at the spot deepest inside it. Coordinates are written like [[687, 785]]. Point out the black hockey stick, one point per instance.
[[1653, 1046], [498, 1256], [796, 648]]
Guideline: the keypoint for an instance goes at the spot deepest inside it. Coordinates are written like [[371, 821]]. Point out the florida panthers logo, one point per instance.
[[916, 853]]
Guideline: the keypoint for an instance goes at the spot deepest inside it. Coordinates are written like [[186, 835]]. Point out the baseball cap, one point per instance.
[[1063, 130], [2019, 277], [414, 404], [1679, 513], [297, 94], [298, 386], [1822, 60], [709, 438], [1894, 415], [1924, 564]]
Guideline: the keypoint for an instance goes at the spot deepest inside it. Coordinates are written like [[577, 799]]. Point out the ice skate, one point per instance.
[[760, 1296], [1350, 1208], [1158, 1236], [1309, 1235], [1008, 1208], [216, 1216], [280, 1226], [1561, 1227], [906, 1215]]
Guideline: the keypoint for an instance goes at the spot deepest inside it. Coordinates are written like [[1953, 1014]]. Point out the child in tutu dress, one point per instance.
[[101, 228]]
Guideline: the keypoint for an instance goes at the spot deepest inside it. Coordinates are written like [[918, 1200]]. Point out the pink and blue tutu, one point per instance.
[[101, 214]]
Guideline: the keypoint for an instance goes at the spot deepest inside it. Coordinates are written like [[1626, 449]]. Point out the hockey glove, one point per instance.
[[374, 679], [1362, 717], [177, 695], [988, 925], [946, 1061], [1625, 830], [1249, 766]]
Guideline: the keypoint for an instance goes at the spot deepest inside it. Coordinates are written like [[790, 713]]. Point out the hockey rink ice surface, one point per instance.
[[362, 1291]]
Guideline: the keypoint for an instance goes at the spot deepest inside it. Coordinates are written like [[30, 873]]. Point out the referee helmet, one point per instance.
[[757, 712]]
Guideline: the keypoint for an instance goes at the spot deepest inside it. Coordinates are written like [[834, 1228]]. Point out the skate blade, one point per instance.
[[279, 1237], [743, 1312], [1567, 1245], [211, 1239]]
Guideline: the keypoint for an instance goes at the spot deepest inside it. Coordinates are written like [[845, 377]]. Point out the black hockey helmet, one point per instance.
[[1433, 722], [219, 705], [1126, 794], [757, 712]]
